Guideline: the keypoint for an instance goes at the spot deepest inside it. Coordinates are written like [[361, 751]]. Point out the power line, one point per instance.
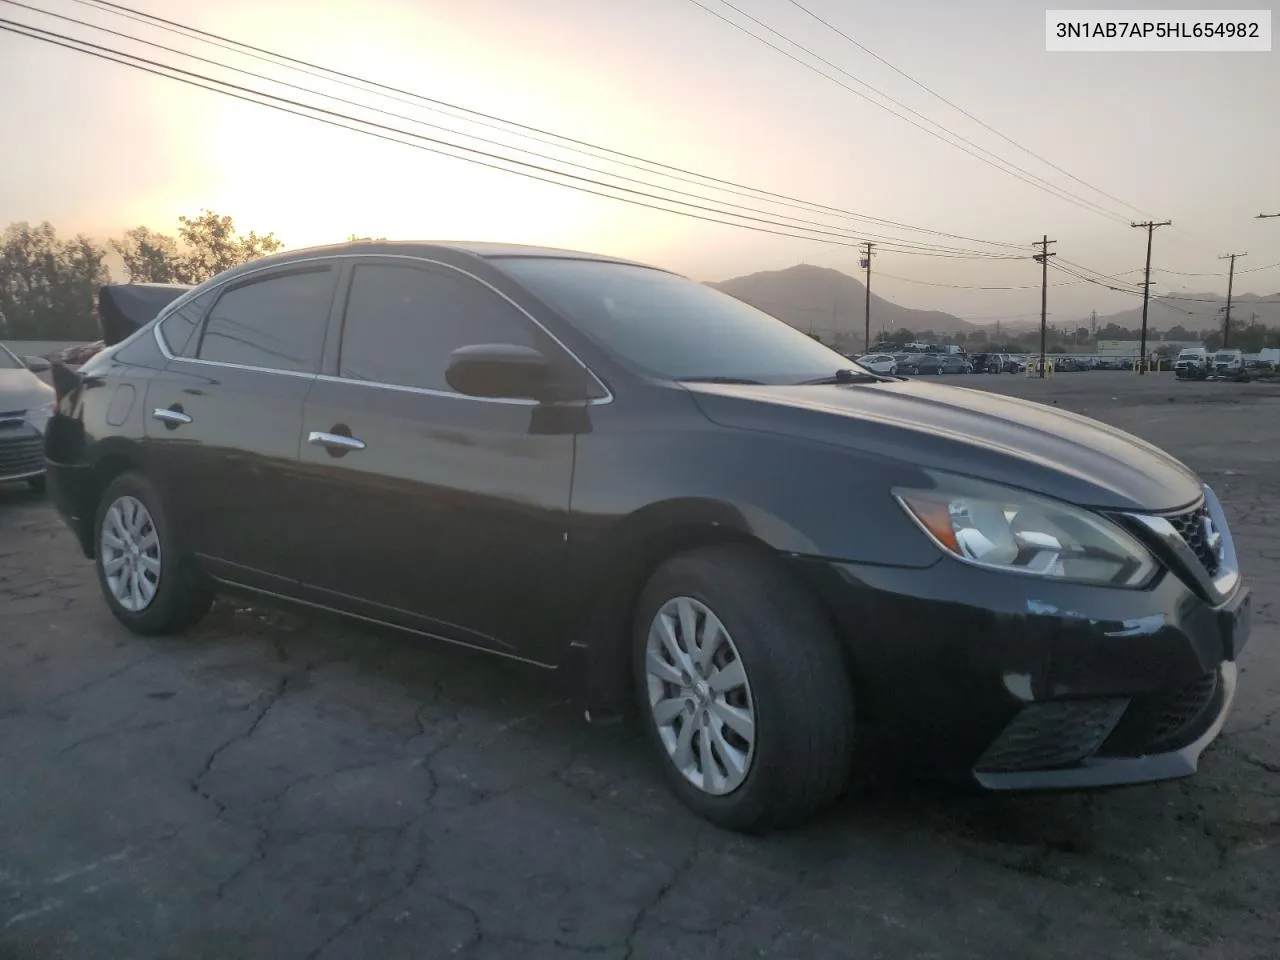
[[955, 106], [967, 286], [510, 127], [795, 221], [1000, 164], [286, 105], [1161, 297]]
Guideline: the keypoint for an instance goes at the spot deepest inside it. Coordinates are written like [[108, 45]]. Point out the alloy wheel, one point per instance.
[[129, 551], [699, 696]]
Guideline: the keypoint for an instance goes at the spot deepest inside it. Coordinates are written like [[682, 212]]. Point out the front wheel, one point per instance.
[[743, 689], [144, 574]]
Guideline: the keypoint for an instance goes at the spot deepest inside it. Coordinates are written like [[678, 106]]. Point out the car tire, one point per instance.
[[146, 577], [37, 484], [795, 689]]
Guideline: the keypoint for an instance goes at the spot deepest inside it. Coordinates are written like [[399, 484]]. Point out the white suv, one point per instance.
[[879, 363]]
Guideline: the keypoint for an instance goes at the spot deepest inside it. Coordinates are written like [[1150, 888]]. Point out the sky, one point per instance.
[[1190, 137]]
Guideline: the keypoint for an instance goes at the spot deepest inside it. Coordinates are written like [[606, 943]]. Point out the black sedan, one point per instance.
[[921, 365], [603, 469], [26, 403], [949, 363]]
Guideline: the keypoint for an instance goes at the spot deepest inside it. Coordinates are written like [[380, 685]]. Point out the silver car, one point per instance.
[[26, 403], [879, 363]]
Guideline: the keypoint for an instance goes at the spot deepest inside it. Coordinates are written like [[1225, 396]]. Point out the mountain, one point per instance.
[[832, 304]]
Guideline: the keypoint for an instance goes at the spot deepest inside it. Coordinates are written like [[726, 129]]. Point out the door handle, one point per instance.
[[334, 442], [171, 417]]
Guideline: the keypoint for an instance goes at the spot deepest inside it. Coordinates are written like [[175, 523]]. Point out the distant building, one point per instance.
[[1131, 348]]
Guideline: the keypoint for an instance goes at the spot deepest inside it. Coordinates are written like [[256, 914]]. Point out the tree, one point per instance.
[[1181, 333], [149, 257], [212, 245], [898, 337], [1251, 339], [1082, 335], [206, 245], [47, 285]]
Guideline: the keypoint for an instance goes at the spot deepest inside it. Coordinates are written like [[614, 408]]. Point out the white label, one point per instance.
[[1158, 31]]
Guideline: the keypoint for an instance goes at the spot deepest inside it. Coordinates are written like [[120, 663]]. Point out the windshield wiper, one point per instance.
[[843, 376], [743, 380]]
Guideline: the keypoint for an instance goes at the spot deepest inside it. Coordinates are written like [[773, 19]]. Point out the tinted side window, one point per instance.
[[178, 329], [402, 323], [277, 322]]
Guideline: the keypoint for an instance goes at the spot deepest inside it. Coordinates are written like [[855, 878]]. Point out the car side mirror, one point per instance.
[[500, 370], [36, 364]]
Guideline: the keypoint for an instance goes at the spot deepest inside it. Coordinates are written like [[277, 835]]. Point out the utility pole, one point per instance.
[[1150, 227], [1093, 323], [1231, 275], [866, 262], [1043, 259]]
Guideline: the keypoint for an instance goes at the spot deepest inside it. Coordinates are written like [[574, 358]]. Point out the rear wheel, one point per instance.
[[37, 483], [145, 577], [743, 689]]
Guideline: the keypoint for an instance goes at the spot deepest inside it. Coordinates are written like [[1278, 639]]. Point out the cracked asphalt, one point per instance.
[[277, 786]]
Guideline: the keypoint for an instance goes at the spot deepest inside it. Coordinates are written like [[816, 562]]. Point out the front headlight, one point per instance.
[[1003, 529], [38, 417]]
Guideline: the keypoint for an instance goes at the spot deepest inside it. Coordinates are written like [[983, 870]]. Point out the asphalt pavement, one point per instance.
[[282, 787]]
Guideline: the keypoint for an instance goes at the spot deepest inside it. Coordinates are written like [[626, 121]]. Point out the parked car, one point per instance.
[[879, 363], [995, 363], [600, 468], [921, 365], [952, 363], [26, 404]]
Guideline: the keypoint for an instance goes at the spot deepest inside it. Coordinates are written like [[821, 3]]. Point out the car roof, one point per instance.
[[484, 250]]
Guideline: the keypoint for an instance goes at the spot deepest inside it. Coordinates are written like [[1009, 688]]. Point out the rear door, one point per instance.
[[450, 514], [226, 417]]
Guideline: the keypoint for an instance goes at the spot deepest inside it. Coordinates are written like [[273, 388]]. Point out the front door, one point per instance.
[[433, 510]]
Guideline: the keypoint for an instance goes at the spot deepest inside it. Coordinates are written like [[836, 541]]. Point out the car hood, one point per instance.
[[966, 431], [22, 390]]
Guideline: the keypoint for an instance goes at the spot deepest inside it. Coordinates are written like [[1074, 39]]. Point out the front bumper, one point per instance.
[[21, 452], [1016, 683]]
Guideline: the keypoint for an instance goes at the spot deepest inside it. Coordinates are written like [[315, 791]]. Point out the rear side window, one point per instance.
[[402, 322], [178, 329], [277, 322]]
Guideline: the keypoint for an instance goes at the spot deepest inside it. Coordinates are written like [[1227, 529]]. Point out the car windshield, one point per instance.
[[1225, 356], [8, 360], [672, 328]]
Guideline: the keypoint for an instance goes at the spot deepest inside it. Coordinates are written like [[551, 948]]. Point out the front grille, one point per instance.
[[1190, 527], [1052, 734], [21, 455], [1167, 720]]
